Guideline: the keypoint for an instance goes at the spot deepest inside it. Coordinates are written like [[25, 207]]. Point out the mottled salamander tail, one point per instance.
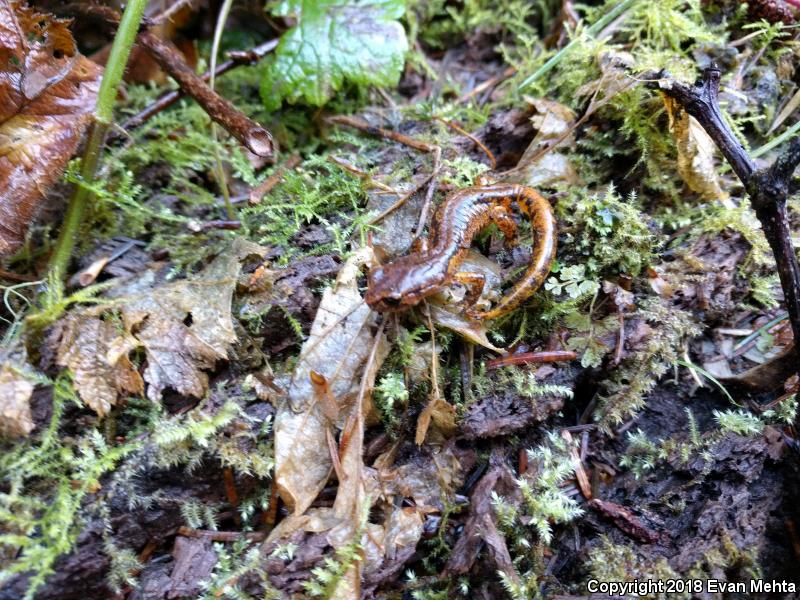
[[543, 252]]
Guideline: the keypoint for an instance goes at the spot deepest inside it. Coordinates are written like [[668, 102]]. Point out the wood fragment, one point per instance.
[[523, 358], [625, 521], [222, 536], [265, 187], [254, 137]]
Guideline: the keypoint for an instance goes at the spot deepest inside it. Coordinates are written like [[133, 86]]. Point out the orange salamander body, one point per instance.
[[407, 280]]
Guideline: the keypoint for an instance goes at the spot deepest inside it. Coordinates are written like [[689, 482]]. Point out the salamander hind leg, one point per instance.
[[474, 283]]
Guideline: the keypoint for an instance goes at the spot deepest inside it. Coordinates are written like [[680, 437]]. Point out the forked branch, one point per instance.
[[769, 188]]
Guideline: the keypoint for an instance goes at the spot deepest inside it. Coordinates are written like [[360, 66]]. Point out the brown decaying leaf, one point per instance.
[[47, 94], [695, 154], [184, 327], [97, 355], [15, 395], [446, 311]]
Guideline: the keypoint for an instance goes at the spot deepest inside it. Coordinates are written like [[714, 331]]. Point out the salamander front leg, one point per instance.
[[419, 245], [474, 283], [501, 217]]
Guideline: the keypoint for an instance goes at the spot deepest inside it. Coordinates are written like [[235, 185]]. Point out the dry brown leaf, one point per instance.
[[47, 95], [446, 312], [438, 412], [542, 165], [15, 395], [659, 285], [337, 348], [695, 154], [184, 327], [97, 354]]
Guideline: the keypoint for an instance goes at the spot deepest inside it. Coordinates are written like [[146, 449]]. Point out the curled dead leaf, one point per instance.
[[47, 94], [97, 354], [184, 328], [695, 154], [659, 285]]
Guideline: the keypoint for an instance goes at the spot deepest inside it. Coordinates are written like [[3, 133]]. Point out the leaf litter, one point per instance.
[[360, 504]]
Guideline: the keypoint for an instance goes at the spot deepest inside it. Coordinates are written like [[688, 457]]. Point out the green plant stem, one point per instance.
[[224, 11], [593, 30], [104, 113], [776, 141]]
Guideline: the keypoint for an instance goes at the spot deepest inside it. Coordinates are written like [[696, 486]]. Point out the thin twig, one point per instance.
[[458, 129], [363, 175], [488, 84], [254, 137], [426, 205], [235, 59], [265, 187]]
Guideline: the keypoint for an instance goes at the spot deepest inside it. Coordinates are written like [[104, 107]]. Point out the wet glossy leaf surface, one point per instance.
[[47, 95], [334, 42]]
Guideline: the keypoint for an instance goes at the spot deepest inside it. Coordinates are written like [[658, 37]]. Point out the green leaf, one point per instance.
[[334, 41]]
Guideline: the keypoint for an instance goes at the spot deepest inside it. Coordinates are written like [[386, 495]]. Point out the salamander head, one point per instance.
[[399, 285]]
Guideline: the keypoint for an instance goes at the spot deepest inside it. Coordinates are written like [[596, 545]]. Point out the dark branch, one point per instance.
[[768, 188], [701, 101]]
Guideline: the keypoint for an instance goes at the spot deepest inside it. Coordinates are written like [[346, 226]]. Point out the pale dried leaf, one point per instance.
[[659, 285], [622, 298], [403, 528], [542, 165], [696, 163], [337, 348], [47, 94], [552, 169], [15, 395], [552, 119], [471, 329], [786, 111]]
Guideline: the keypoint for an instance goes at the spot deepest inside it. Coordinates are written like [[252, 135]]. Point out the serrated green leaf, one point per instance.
[[360, 41]]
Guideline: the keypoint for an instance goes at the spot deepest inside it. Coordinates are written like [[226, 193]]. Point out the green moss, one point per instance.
[[48, 478], [626, 390]]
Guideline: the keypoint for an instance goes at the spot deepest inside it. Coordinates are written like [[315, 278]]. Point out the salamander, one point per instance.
[[409, 279]]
